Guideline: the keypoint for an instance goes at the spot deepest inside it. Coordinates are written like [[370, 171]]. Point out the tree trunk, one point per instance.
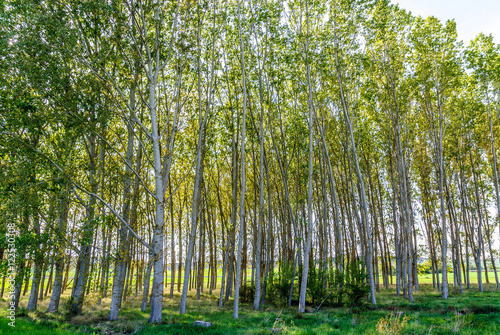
[[83, 261], [122, 255], [243, 175], [38, 268], [59, 253], [307, 249], [479, 228]]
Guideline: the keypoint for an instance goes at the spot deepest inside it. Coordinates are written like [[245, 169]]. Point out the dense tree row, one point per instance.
[[156, 146]]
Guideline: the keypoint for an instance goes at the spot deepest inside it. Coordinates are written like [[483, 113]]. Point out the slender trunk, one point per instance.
[[444, 243], [361, 187], [243, 174], [157, 289], [225, 250], [83, 262], [488, 235], [147, 281], [260, 220], [307, 249], [195, 209], [479, 228], [38, 268], [122, 255], [49, 282], [59, 253], [172, 242], [495, 181]]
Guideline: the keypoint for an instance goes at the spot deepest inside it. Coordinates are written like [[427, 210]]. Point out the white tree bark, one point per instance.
[[81, 275], [479, 246], [444, 243], [243, 175], [361, 188], [122, 255], [147, 282], [157, 289], [38, 268], [59, 254], [307, 250]]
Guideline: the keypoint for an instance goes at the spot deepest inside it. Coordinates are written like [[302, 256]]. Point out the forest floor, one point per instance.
[[469, 313]]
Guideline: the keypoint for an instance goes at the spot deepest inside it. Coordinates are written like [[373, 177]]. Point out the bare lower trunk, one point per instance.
[[364, 207], [479, 246], [122, 255], [160, 180], [243, 175], [225, 251], [147, 281], [83, 261], [172, 250], [260, 220], [38, 269], [307, 249], [194, 213], [18, 283], [59, 256], [495, 182]]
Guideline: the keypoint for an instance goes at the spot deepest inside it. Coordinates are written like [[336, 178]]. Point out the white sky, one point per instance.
[[471, 16]]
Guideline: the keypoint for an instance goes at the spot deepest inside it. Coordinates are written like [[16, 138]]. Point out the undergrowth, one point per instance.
[[468, 313]]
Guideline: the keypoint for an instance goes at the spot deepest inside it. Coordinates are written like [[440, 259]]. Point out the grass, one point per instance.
[[469, 313], [427, 278]]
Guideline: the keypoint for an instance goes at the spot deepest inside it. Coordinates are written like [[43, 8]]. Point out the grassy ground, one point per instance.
[[468, 313], [427, 278]]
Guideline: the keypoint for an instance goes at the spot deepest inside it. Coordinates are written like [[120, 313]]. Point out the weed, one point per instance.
[[129, 327], [459, 321], [84, 319], [279, 325], [392, 324]]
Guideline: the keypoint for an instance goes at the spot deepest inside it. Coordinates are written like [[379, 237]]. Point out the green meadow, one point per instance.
[[471, 312]]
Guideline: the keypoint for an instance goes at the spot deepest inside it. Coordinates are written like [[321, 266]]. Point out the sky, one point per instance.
[[471, 16]]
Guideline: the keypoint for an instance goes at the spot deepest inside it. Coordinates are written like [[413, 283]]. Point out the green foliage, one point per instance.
[[71, 308], [355, 286], [278, 286], [324, 286], [317, 284], [424, 267], [68, 70], [247, 293]]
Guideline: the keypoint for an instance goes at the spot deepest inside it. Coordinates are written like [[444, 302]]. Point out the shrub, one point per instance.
[[317, 288], [247, 293], [323, 286], [356, 288], [330, 288], [278, 285], [71, 308]]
